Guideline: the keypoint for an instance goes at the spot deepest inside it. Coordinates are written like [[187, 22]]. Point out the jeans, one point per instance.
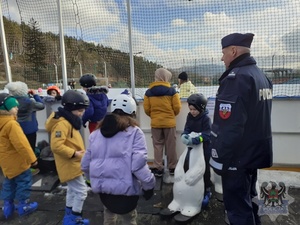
[[18, 187]]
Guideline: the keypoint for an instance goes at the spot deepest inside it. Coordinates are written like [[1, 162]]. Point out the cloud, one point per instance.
[[172, 30], [291, 41], [178, 23]]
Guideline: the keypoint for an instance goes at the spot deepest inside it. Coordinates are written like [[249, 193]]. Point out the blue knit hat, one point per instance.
[[237, 39]]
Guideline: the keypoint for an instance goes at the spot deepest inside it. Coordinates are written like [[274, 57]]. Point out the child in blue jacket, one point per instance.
[[99, 101], [198, 121]]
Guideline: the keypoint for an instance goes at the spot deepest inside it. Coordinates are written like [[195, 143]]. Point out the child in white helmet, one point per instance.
[[118, 144]]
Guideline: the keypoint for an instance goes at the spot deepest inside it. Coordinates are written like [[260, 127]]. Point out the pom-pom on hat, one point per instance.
[[183, 76], [8, 102], [237, 39]]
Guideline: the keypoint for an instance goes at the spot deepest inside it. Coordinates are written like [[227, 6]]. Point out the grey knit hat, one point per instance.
[[17, 88]]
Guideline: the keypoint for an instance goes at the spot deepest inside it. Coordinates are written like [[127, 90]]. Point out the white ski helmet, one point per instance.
[[125, 103]]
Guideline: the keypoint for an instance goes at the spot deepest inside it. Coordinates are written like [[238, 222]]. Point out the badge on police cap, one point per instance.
[[225, 111]]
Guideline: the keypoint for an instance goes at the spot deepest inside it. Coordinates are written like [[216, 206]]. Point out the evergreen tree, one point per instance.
[[35, 47]]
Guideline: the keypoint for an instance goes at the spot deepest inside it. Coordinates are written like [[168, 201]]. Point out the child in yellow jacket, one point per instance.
[[68, 149], [16, 159]]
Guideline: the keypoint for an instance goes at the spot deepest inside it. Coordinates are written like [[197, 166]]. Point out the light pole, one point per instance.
[[56, 76], [105, 71], [80, 69], [273, 64], [95, 67]]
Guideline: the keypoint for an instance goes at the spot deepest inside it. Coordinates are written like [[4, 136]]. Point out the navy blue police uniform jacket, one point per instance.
[[241, 131]]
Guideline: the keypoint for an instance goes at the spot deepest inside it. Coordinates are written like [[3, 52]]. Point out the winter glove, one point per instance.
[[88, 183], [205, 137], [87, 179], [197, 140], [186, 139], [148, 194]]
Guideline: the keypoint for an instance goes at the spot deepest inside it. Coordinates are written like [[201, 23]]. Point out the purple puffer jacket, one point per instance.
[[118, 165]]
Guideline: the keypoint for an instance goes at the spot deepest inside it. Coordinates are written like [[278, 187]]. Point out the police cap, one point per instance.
[[237, 39]]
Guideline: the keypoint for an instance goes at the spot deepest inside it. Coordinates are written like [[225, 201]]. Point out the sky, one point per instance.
[[172, 32]]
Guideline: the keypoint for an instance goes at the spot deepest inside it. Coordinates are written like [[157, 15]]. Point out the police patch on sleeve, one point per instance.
[[58, 134], [225, 111]]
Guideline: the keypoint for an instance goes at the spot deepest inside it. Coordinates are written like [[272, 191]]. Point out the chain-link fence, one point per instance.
[[179, 35]]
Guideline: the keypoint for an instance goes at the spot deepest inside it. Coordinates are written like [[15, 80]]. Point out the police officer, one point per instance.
[[241, 131]]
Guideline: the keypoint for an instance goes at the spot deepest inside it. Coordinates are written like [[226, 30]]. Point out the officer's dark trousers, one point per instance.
[[238, 191]]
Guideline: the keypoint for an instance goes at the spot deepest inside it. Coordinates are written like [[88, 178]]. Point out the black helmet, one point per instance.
[[87, 80], [73, 99], [199, 101], [3, 97]]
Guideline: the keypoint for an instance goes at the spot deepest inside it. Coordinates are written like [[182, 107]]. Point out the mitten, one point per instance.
[[197, 140], [190, 141], [148, 194], [205, 136], [185, 139]]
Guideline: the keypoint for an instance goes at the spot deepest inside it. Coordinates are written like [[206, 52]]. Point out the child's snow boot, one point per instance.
[[73, 219], [26, 207], [68, 212], [206, 198], [8, 208]]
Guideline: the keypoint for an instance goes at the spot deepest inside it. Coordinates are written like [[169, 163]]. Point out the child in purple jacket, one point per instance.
[[116, 162]]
